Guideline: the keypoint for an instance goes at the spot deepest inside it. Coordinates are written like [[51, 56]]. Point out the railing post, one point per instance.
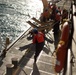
[[6, 44]]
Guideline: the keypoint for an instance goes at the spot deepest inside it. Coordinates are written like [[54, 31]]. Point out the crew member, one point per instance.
[[54, 7], [38, 39], [46, 15], [56, 27]]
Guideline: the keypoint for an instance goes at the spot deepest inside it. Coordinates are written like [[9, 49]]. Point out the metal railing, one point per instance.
[[68, 70]]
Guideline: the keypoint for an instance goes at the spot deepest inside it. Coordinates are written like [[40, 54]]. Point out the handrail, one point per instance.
[[69, 72], [70, 55], [10, 45]]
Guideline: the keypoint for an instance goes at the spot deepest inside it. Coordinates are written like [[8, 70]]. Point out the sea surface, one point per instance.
[[14, 15]]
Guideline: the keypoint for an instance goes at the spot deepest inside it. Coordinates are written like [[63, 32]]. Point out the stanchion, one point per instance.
[[15, 62], [6, 44], [9, 69]]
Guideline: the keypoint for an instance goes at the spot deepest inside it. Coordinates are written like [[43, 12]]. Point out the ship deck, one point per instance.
[[23, 50]]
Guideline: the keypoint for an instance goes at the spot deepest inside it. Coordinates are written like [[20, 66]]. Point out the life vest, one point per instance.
[[62, 48], [46, 14], [38, 37]]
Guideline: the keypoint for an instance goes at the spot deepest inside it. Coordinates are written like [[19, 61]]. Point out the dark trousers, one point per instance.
[[56, 33], [39, 47]]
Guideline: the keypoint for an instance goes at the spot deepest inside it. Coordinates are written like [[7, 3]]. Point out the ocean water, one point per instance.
[[13, 17]]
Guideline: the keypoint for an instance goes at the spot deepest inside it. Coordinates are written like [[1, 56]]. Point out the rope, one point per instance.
[[53, 62], [23, 70], [52, 58]]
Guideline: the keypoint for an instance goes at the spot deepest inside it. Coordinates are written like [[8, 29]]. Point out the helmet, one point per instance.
[[35, 31]]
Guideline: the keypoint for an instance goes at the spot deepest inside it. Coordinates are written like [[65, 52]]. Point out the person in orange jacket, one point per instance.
[[38, 39], [46, 15], [54, 7]]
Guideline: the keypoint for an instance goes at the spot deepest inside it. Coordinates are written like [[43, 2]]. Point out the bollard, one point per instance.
[[15, 62], [7, 41], [9, 69]]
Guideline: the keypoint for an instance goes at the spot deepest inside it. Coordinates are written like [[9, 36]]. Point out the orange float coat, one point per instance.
[[62, 48], [46, 14], [58, 16], [38, 37]]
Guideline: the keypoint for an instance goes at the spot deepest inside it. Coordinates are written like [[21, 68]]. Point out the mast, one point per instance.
[[45, 4]]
